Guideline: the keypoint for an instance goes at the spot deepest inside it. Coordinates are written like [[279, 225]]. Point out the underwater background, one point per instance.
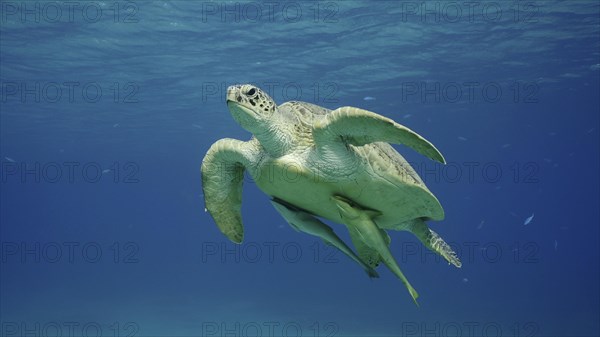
[[108, 107]]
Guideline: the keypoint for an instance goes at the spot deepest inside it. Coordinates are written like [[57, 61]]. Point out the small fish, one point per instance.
[[548, 160], [197, 126], [513, 214], [480, 224], [528, 220], [465, 280], [552, 134], [369, 98], [10, 160], [505, 146], [407, 116], [555, 245], [591, 130], [106, 171], [116, 125], [498, 188], [462, 138]]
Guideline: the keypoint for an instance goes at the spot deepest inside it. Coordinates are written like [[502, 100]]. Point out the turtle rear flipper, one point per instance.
[[433, 241]]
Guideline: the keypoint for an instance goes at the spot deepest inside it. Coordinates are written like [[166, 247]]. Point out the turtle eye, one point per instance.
[[251, 92]]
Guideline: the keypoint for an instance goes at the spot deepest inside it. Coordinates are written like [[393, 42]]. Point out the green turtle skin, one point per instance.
[[331, 164]]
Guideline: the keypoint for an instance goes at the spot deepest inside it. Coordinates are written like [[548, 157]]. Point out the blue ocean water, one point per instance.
[[107, 109]]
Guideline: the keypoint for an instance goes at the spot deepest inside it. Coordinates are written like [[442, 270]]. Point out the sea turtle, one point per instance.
[[337, 165]]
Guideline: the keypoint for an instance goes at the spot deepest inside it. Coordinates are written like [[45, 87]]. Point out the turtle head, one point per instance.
[[250, 106]]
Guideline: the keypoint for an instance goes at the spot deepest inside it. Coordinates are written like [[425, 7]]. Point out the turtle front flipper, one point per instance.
[[222, 177], [368, 231], [307, 223], [434, 242], [359, 127]]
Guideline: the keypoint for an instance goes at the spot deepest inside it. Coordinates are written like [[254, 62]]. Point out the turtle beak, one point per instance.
[[235, 98], [234, 94], [234, 106]]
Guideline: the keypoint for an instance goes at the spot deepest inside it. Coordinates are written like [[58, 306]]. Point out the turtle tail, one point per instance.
[[372, 273]]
